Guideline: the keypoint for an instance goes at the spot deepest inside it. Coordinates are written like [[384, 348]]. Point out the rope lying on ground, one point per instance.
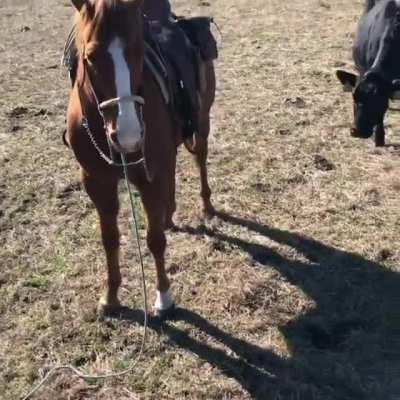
[[75, 371]]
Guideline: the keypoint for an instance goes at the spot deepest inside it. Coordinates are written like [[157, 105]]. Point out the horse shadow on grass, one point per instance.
[[347, 347]]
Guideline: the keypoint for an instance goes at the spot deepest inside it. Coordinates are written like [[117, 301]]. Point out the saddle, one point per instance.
[[174, 50]]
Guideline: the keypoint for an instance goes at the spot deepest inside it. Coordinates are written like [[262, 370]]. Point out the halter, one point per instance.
[[101, 106], [123, 99]]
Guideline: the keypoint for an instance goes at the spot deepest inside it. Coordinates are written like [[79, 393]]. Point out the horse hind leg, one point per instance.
[[200, 151], [200, 142], [171, 203], [105, 199]]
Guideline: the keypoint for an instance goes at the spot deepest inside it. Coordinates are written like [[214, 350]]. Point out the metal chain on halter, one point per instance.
[[108, 160]]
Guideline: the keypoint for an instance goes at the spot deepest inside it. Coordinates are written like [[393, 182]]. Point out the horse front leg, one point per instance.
[[156, 211], [156, 242], [105, 199]]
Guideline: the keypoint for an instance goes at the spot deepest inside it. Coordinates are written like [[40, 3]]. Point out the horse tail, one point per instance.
[[191, 144]]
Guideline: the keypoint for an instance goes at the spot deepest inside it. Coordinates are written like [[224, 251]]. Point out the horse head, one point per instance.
[[110, 67]]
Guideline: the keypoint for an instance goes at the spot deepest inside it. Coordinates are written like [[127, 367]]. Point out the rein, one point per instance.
[[102, 106], [134, 224]]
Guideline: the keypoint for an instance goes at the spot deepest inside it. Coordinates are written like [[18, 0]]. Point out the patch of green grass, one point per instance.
[[40, 282]]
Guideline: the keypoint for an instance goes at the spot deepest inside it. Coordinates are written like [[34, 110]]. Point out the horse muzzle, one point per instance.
[[361, 133], [126, 144], [126, 134]]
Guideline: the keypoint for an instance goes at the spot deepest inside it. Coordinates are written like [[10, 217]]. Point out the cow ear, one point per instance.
[[396, 89], [347, 79], [78, 4], [391, 9], [396, 84]]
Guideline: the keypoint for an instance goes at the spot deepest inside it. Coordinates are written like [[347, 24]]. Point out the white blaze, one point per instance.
[[128, 124]]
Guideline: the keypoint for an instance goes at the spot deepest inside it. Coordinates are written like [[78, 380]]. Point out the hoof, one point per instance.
[[164, 305], [379, 139], [164, 314], [209, 212], [170, 226], [109, 309]]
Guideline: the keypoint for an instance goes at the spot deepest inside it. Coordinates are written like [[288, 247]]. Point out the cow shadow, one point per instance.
[[347, 347], [394, 145]]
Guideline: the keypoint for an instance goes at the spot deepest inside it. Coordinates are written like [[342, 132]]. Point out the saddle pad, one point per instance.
[[198, 30]]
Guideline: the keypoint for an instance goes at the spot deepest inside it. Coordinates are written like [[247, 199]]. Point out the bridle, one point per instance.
[[137, 100]]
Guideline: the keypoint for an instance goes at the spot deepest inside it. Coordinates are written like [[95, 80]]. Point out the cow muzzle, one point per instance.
[[361, 134]]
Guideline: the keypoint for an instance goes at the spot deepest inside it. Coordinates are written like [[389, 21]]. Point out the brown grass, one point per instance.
[[291, 293]]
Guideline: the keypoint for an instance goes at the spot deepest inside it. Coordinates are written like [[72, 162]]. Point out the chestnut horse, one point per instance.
[[116, 102]]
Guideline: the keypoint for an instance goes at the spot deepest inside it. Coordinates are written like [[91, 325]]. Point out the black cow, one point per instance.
[[376, 53]]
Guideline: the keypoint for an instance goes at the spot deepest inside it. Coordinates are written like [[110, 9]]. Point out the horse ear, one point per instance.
[[78, 4]]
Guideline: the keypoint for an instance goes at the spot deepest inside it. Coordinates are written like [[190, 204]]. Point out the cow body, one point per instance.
[[376, 51], [374, 40]]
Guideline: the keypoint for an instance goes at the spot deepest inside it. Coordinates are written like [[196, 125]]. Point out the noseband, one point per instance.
[[118, 100], [101, 106]]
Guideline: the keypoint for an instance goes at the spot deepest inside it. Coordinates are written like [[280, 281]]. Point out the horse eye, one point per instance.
[[92, 60], [92, 66], [92, 53], [89, 60]]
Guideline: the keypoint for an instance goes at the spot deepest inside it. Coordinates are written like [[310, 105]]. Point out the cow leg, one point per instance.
[[379, 135], [105, 199]]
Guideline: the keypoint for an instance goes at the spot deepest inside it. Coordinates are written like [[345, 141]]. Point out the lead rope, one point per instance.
[[75, 371]]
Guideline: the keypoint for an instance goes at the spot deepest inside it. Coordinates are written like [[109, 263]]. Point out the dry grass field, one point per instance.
[[291, 293]]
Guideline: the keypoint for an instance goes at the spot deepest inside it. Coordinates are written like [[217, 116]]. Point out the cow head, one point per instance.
[[371, 94]]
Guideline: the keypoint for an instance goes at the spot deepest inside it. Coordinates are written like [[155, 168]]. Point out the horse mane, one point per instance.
[[100, 19]]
